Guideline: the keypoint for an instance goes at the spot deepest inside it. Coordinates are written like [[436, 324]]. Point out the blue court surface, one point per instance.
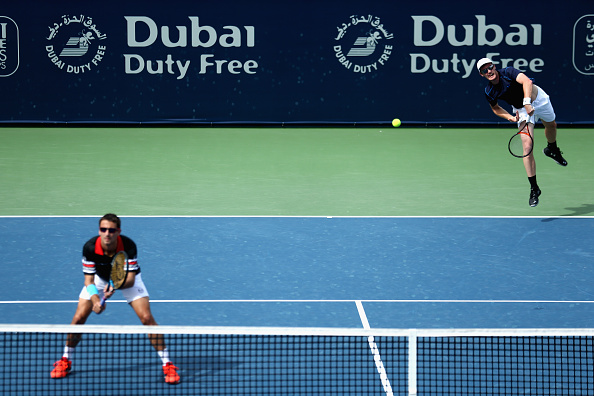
[[424, 272]]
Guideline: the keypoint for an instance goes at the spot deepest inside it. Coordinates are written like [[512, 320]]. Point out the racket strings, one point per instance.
[[118, 270], [520, 145]]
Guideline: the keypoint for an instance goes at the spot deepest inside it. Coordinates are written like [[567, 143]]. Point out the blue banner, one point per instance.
[[292, 62]]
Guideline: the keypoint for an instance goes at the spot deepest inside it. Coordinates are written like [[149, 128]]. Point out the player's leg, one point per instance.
[[527, 121], [552, 150], [550, 131], [63, 366], [138, 298], [83, 310], [529, 162], [142, 308], [530, 166], [543, 109]]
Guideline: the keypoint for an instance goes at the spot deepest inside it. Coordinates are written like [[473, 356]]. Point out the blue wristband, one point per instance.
[[92, 289]]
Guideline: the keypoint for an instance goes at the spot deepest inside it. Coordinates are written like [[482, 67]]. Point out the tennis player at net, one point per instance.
[[96, 261], [529, 102]]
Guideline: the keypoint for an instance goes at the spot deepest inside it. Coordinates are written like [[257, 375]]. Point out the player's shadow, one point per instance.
[[191, 369], [195, 368], [584, 210]]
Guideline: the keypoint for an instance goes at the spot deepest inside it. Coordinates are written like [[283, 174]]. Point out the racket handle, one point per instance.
[[103, 299]]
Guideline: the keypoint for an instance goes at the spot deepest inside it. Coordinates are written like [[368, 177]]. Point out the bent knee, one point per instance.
[[147, 319]]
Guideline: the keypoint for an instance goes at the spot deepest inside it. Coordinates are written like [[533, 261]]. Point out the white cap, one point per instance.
[[482, 62]]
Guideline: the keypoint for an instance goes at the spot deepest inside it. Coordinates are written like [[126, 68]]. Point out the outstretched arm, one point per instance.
[[500, 112]]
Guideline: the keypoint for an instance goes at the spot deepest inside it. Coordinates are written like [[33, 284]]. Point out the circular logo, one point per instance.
[[9, 46], [75, 44], [363, 44]]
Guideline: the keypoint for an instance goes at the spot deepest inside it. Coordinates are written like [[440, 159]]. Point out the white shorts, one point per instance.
[[130, 294], [543, 109]]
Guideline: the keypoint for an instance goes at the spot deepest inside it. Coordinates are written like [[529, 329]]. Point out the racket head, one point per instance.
[[119, 269], [521, 143]]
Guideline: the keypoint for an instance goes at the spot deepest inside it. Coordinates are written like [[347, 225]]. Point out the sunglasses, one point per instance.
[[110, 230], [487, 69]]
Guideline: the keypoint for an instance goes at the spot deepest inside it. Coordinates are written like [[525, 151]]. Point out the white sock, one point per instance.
[[68, 352], [164, 355]]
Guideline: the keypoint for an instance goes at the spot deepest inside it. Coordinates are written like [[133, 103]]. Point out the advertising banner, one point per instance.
[[285, 62]]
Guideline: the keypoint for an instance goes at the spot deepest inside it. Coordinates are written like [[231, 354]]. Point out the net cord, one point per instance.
[[296, 331]]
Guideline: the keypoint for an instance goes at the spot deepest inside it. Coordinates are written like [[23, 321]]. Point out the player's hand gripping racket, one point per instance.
[[119, 272], [520, 145]]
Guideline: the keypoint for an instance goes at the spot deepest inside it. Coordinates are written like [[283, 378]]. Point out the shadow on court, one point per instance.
[[583, 210]]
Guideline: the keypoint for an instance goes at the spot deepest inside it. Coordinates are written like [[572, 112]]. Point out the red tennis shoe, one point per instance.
[[171, 376], [61, 368]]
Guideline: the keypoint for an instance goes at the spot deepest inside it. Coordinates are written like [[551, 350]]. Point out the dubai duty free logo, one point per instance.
[[75, 44], [9, 46], [363, 44], [583, 45]]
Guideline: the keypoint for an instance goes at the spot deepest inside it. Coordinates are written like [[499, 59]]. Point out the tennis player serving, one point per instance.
[[529, 104], [97, 266]]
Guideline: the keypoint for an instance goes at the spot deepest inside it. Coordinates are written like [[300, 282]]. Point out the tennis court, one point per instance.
[[287, 172], [357, 228], [323, 200]]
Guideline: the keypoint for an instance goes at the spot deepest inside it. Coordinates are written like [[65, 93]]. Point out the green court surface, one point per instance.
[[287, 172]]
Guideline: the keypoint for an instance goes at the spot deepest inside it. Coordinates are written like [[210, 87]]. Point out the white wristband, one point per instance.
[[526, 101]]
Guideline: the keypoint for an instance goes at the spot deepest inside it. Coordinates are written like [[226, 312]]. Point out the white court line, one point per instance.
[[379, 364], [326, 301], [362, 314]]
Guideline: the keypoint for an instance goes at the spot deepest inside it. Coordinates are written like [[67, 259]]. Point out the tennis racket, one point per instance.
[[118, 273], [521, 143]]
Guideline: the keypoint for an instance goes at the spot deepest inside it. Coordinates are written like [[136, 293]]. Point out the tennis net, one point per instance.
[[119, 360]]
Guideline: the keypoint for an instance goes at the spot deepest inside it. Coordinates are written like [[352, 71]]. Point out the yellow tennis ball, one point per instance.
[[396, 122]]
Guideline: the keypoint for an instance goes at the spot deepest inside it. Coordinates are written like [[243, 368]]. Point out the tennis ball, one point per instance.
[[396, 122]]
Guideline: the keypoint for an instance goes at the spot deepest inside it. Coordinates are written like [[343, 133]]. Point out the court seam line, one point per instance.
[[303, 216]]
